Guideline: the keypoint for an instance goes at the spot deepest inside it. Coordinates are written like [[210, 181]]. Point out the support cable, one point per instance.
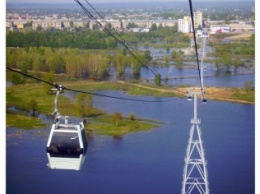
[[195, 43]]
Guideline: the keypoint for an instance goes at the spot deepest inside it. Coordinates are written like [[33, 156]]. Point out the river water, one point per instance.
[[189, 76], [143, 162]]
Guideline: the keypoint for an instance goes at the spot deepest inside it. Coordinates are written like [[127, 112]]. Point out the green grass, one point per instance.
[[106, 126], [244, 95], [23, 122], [19, 96], [127, 87]]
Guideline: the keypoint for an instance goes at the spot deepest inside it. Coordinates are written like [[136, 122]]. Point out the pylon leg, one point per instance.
[[195, 175]]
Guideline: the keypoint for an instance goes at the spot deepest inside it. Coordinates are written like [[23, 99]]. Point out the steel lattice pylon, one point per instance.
[[195, 175]]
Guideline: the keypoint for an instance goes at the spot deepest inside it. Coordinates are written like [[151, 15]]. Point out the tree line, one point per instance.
[[85, 38], [76, 63], [229, 55], [61, 39]]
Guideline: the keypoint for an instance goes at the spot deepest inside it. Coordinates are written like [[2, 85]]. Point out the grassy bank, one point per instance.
[[106, 126], [19, 96], [23, 122]]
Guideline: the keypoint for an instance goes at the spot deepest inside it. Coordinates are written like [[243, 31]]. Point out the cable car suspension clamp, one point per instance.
[[57, 116]]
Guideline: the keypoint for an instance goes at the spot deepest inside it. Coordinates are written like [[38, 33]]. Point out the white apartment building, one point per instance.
[[184, 25], [115, 24], [149, 23], [46, 24], [146, 24], [74, 23]]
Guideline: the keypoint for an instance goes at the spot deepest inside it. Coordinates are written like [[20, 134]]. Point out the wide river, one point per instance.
[[142, 162]]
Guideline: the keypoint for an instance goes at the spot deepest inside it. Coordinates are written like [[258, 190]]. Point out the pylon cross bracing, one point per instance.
[[195, 175]]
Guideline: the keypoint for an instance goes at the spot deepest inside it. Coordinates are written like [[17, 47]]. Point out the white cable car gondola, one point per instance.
[[189, 97], [67, 143], [204, 100]]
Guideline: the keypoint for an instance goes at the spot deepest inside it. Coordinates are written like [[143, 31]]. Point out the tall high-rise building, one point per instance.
[[198, 19]]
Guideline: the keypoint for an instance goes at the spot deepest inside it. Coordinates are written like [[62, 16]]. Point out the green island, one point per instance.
[[21, 97]]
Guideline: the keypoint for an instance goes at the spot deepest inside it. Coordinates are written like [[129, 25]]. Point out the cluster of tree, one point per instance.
[[84, 104], [59, 39], [235, 49], [88, 39], [117, 117], [247, 48], [228, 55], [225, 62], [168, 35], [178, 59], [131, 25], [74, 62]]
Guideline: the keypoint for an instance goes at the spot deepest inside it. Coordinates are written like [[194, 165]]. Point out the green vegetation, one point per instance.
[[106, 126], [178, 59], [117, 117], [229, 54], [84, 38], [235, 49], [247, 93], [61, 39], [23, 122], [73, 63], [17, 79], [244, 95], [157, 79], [115, 125], [84, 104], [19, 96]]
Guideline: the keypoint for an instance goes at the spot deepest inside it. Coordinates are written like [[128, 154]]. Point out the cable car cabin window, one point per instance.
[[65, 145]]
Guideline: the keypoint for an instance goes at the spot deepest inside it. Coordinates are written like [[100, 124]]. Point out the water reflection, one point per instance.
[[44, 118]]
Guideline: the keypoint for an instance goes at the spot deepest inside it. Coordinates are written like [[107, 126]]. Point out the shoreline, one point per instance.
[[45, 102], [212, 93]]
